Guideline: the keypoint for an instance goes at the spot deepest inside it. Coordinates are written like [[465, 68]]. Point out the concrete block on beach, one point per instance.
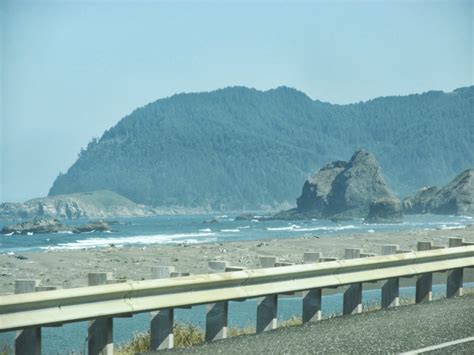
[[161, 272], [267, 261], [311, 257]]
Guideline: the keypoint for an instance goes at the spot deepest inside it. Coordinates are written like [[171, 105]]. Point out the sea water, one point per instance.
[[210, 228]]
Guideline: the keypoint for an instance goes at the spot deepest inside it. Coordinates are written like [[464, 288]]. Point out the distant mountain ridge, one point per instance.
[[240, 148]]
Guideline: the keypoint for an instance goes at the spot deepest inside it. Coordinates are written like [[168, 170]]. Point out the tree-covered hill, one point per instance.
[[240, 148]]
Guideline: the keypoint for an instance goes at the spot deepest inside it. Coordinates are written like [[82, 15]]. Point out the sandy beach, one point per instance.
[[69, 268]]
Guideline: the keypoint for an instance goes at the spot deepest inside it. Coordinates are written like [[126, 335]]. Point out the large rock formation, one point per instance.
[[457, 197], [97, 204], [342, 190], [386, 210], [50, 225]]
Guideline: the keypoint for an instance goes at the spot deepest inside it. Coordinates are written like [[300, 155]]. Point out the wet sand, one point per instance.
[[69, 268]]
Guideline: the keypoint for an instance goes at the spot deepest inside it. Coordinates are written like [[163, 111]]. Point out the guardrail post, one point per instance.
[[312, 297], [100, 332], [454, 284], [27, 341], [267, 306], [353, 295], [424, 282], [161, 325], [391, 287], [217, 313]]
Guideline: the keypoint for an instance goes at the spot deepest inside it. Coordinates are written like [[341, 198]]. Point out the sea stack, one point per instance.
[[342, 190], [387, 210]]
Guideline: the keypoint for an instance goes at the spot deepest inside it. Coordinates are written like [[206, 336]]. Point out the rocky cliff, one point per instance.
[[97, 204], [457, 197], [342, 190]]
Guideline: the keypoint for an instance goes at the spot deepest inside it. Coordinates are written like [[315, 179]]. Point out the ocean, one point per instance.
[[209, 228]]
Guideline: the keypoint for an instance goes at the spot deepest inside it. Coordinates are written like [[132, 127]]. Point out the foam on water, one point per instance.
[[230, 230], [192, 241], [296, 228], [456, 226], [328, 229], [140, 239], [289, 228]]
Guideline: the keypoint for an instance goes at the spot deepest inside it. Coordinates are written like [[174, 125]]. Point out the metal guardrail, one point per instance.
[[45, 308]]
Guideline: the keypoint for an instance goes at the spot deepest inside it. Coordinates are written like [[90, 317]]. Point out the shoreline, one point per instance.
[[69, 268]]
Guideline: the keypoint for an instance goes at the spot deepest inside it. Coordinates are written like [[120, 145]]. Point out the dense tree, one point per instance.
[[240, 148]]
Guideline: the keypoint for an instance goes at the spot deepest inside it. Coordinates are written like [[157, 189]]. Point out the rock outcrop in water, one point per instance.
[[97, 204], [51, 225], [342, 190], [457, 197], [385, 211]]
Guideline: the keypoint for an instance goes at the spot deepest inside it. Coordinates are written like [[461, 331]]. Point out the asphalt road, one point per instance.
[[397, 330]]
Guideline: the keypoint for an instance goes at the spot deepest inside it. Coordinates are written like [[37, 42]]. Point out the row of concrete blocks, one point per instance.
[[100, 331]]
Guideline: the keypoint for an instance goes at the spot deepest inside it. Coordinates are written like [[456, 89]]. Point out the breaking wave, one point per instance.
[[190, 238], [455, 226], [296, 228], [289, 228]]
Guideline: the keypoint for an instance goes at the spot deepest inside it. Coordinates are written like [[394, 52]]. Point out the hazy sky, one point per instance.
[[71, 69]]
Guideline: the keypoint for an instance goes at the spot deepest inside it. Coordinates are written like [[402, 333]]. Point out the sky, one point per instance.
[[71, 69]]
